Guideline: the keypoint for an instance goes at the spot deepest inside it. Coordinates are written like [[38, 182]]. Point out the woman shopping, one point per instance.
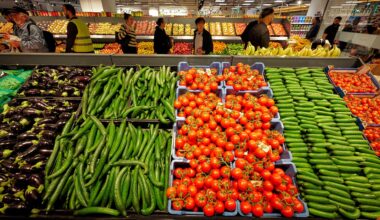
[[162, 42], [127, 36]]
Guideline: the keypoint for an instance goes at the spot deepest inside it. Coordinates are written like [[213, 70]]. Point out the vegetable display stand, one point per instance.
[[365, 107], [290, 170]]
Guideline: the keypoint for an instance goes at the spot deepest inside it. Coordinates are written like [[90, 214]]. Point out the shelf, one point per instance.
[[150, 37], [299, 30], [302, 23]]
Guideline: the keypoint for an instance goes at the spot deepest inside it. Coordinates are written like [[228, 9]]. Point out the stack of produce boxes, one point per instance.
[[336, 173], [228, 151], [29, 124], [116, 155]]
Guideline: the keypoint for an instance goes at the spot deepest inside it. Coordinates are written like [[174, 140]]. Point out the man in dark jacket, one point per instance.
[[312, 33], [162, 42], [259, 35], [330, 31], [202, 42]]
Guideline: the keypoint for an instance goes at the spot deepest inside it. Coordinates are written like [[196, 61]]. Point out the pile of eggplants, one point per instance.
[[56, 82], [27, 132]]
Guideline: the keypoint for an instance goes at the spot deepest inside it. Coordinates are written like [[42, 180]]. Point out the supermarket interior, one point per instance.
[[192, 109]]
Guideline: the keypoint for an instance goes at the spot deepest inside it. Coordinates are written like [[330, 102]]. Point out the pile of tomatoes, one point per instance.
[[373, 136], [353, 83], [206, 80], [366, 108], [215, 135], [241, 77]]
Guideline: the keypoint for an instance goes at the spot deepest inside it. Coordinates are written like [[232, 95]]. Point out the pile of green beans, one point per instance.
[[143, 94], [95, 169]]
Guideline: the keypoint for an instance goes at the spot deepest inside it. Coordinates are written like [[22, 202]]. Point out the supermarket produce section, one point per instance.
[[188, 137]]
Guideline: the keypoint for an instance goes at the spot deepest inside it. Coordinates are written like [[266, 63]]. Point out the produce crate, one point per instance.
[[290, 170], [183, 90], [360, 122], [286, 155], [184, 66], [258, 66], [183, 164], [341, 91], [266, 91]]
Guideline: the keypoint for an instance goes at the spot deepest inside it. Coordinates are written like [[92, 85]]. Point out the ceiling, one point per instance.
[[224, 3]]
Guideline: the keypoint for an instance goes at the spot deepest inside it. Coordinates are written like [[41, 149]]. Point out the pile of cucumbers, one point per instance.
[[338, 174], [111, 168]]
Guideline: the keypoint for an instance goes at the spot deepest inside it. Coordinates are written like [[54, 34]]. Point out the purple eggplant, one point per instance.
[[49, 126], [35, 158], [45, 120], [61, 123], [32, 92], [82, 79], [9, 165], [27, 136], [47, 134], [25, 144], [39, 104], [44, 143], [35, 180], [65, 115], [45, 151], [16, 209], [32, 196], [28, 152], [9, 199], [7, 144], [3, 178], [20, 180], [32, 112]]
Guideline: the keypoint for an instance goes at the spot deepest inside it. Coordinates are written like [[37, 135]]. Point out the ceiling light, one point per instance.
[[278, 1], [218, 1], [222, 3], [249, 1], [246, 4], [267, 4], [299, 2], [137, 3]]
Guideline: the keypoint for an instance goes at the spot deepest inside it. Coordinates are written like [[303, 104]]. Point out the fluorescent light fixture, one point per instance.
[[299, 2], [267, 4], [218, 1], [278, 1], [246, 4], [222, 3], [352, 2], [249, 1], [137, 3]]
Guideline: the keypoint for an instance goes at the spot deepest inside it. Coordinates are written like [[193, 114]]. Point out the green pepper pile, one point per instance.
[[108, 170], [143, 94]]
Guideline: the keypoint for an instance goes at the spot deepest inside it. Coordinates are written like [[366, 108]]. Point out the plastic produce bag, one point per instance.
[[10, 82], [25, 75]]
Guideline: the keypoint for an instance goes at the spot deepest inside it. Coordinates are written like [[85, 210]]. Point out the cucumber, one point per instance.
[[317, 192], [317, 199], [349, 169], [329, 173], [319, 155], [321, 213], [338, 192], [332, 179], [327, 167], [336, 185]]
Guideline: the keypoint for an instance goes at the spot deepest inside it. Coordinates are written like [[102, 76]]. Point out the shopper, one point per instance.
[[127, 36], [330, 32], [312, 33], [78, 35], [202, 42], [162, 42], [245, 35], [259, 35], [31, 36]]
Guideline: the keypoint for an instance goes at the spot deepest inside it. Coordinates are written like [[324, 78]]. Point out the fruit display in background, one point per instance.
[[352, 82], [219, 47], [228, 29], [44, 25], [141, 27], [188, 30], [240, 27], [151, 28], [373, 136], [58, 27], [145, 47], [6, 27], [216, 29], [279, 51], [234, 49], [169, 29], [104, 28], [178, 29], [298, 43], [274, 44], [183, 48], [278, 29], [241, 77], [271, 33], [367, 108], [111, 48]]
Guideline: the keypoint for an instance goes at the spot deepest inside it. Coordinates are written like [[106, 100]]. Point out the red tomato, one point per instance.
[[245, 207], [177, 204], [287, 211], [219, 207], [209, 210], [237, 173], [189, 203], [200, 200], [258, 210], [171, 192]]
